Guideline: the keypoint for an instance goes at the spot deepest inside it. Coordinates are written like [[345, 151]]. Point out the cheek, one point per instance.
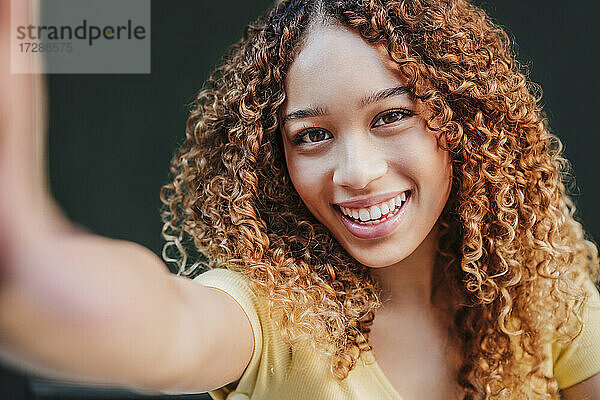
[[305, 178], [422, 159], [442, 174]]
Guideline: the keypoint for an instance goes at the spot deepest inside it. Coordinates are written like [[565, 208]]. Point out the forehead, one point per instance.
[[335, 62]]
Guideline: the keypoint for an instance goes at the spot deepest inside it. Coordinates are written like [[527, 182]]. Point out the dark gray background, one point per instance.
[[111, 136]]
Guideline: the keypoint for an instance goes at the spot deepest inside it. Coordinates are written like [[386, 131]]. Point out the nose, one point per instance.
[[359, 162]]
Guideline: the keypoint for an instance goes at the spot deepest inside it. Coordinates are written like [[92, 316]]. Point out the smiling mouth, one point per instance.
[[377, 213], [371, 225]]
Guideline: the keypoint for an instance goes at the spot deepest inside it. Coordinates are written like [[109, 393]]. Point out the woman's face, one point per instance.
[[356, 145]]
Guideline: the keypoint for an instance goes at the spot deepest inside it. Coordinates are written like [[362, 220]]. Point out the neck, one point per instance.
[[411, 284]]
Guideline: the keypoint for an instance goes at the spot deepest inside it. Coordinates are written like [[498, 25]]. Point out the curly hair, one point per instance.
[[510, 242]]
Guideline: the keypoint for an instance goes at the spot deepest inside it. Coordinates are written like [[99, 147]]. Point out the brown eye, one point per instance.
[[312, 136], [317, 135], [391, 117]]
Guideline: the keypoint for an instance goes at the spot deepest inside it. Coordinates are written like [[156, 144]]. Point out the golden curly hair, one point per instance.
[[510, 243]]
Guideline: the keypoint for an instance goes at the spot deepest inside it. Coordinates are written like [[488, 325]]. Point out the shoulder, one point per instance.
[[269, 348], [238, 286], [580, 359]]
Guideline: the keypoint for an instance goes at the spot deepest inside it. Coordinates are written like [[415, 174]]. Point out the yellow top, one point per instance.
[[278, 371]]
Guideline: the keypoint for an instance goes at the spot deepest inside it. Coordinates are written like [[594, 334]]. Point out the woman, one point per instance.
[[381, 205]]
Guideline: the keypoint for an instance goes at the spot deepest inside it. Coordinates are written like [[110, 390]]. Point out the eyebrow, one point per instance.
[[319, 111]]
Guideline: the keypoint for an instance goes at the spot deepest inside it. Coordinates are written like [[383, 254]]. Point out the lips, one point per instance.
[[379, 229], [377, 212], [370, 201]]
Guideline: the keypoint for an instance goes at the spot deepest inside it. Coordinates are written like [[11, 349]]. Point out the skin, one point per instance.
[[586, 390], [362, 151]]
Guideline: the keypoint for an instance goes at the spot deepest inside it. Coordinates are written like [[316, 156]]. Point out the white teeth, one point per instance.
[[385, 208], [364, 214], [377, 211]]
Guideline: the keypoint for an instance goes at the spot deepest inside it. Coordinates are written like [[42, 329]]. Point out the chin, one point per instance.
[[381, 260]]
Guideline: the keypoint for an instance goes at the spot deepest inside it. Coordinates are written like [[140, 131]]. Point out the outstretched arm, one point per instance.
[[82, 307], [85, 308]]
